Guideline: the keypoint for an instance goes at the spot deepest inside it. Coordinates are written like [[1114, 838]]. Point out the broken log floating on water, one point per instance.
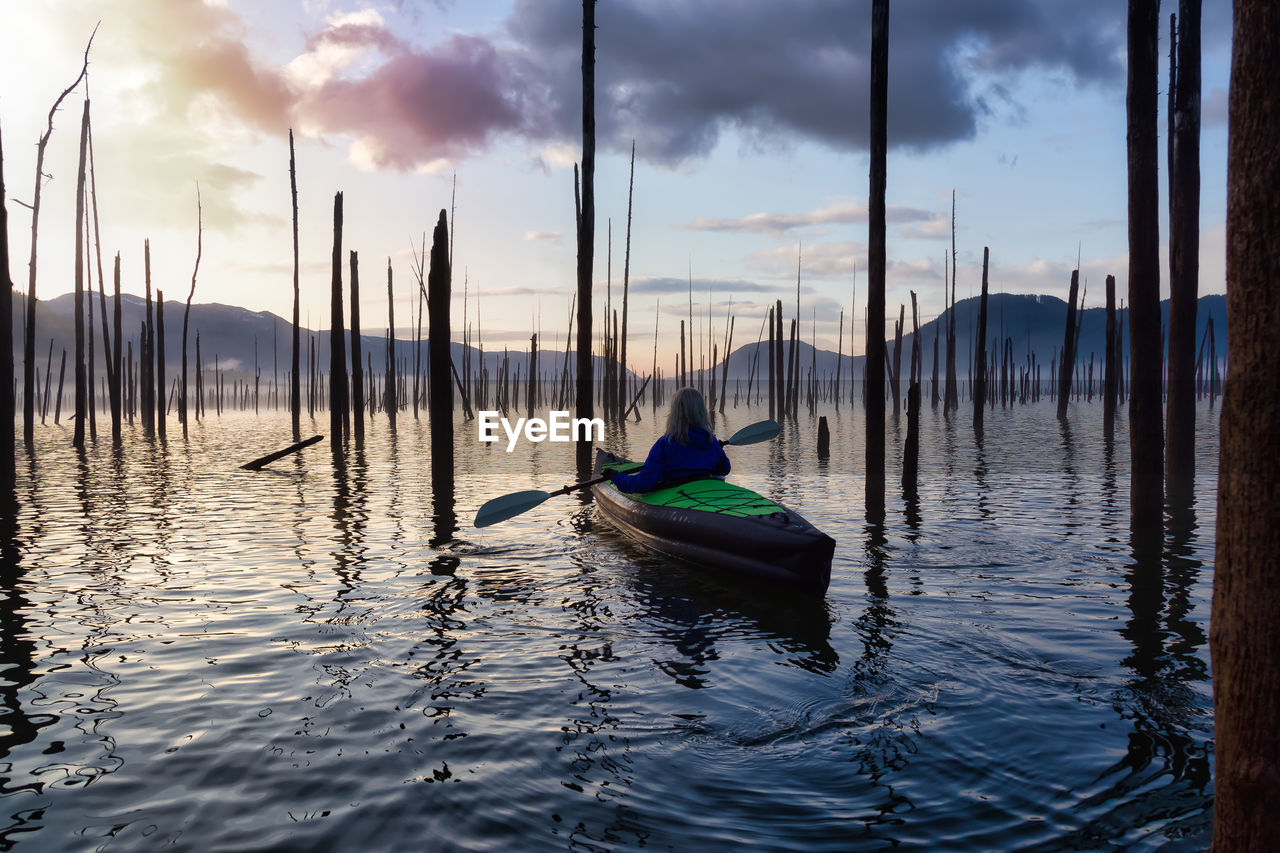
[[272, 457]]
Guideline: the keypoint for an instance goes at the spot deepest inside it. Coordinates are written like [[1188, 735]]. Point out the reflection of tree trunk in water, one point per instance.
[[17, 652], [1244, 631]]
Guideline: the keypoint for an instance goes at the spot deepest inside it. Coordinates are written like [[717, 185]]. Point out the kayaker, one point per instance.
[[687, 451]]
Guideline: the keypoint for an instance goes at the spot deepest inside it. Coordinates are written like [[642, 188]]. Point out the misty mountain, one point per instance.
[[238, 338]]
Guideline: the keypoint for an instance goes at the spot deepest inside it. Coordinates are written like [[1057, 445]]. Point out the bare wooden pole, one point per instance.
[[337, 342], [980, 356], [1067, 368], [440, 362], [876, 257], [1244, 634], [147, 350], [1146, 433], [392, 401], [626, 277], [357, 368], [161, 406], [186, 314], [951, 397], [1184, 257], [117, 360], [8, 466], [586, 227], [295, 382], [81, 379]]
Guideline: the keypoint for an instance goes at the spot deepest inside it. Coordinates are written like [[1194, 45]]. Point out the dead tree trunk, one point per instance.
[[357, 368], [186, 314], [1244, 633], [337, 343], [876, 257], [391, 403], [81, 379], [586, 227], [980, 356], [117, 360], [911, 447], [1067, 368], [1146, 433], [951, 400], [147, 354], [295, 382], [162, 408], [1184, 256], [8, 468], [1112, 373], [439, 360], [29, 346]]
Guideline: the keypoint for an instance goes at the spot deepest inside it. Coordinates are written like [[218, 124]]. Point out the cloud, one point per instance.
[[1213, 112], [543, 236], [840, 213], [675, 77], [660, 285]]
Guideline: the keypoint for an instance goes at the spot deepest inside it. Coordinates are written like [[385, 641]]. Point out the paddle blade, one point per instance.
[[755, 433], [508, 506]]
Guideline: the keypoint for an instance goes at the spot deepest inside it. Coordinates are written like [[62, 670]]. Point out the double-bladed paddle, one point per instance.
[[517, 503]]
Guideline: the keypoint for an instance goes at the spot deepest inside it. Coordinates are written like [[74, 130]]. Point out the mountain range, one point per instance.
[[238, 338]]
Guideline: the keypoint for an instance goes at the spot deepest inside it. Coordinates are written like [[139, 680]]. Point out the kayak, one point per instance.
[[719, 525]]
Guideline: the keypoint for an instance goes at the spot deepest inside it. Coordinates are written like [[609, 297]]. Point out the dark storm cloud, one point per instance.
[[675, 76]]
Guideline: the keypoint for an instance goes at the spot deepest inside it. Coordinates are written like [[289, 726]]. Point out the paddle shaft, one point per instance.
[[577, 487]]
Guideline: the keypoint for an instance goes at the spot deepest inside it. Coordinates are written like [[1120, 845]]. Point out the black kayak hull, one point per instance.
[[782, 548]]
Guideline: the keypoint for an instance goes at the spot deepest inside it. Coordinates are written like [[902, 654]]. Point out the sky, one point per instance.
[[749, 120]]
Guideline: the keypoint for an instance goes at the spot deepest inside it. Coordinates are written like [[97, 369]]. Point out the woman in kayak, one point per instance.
[[688, 450]]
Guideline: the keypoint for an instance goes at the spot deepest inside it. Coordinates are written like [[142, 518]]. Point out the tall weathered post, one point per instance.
[[1146, 427], [1244, 634], [8, 471], [391, 400], [357, 370], [1111, 376], [980, 354], [874, 388], [337, 343], [82, 390], [161, 400], [584, 407], [295, 382], [1066, 368], [1184, 256], [438, 357], [146, 372]]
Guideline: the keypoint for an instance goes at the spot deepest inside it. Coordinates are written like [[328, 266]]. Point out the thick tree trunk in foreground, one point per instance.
[[874, 387], [1184, 256], [1244, 631], [1146, 427]]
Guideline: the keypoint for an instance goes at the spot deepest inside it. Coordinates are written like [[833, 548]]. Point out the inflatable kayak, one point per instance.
[[719, 525]]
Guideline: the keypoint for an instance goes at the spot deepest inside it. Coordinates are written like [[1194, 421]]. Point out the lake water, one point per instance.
[[320, 658]]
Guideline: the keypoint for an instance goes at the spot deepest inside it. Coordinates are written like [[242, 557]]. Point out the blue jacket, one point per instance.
[[671, 461]]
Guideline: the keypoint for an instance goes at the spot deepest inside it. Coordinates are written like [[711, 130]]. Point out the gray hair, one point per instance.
[[688, 409]]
